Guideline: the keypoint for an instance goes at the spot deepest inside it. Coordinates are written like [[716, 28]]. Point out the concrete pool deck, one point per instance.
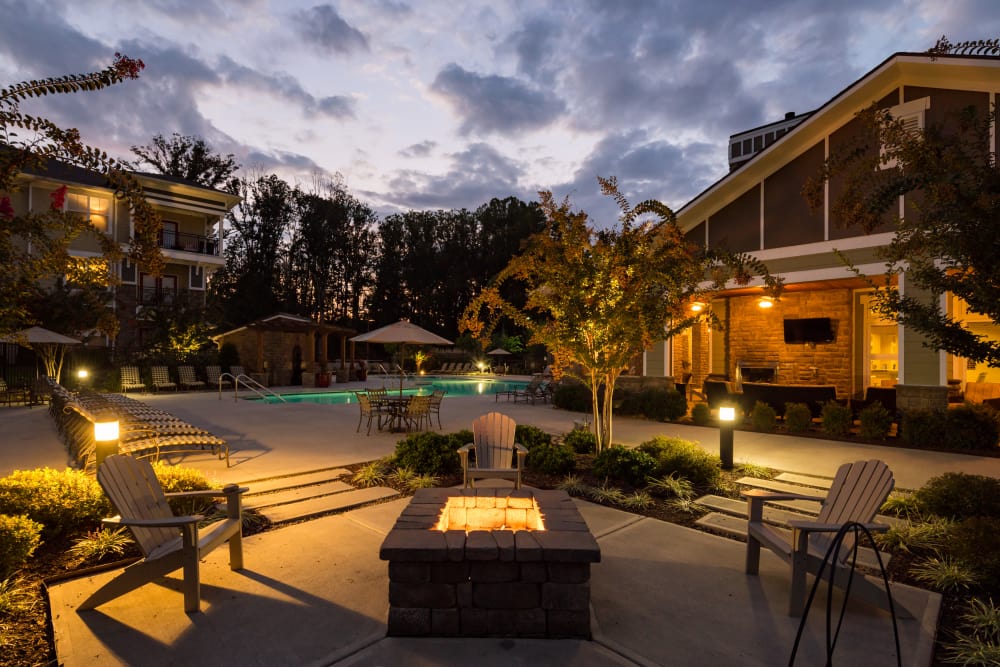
[[316, 592]]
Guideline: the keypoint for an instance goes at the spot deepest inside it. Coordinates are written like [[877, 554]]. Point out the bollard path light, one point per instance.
[[727, 420], [105, 439]]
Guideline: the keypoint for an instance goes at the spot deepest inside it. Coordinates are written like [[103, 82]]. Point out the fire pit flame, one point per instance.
[[470, 513]]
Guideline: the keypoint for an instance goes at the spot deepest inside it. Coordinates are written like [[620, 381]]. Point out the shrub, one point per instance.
[[177, 479], [581, 441], [978, 640], [624, 465], [551, 459], [98, 544], [572, 396], [371, 474], [672, 485], [945, 574], [976, 541], [923, 428], [655, 403], [763, 417], [683, 458], [675, 406], [971, 427], [574, 485], [956, 495], [837, 419], [531, 436], [798, 417], [63, 502], [19, 537], [701, 414], [427, 453], [875, 422]]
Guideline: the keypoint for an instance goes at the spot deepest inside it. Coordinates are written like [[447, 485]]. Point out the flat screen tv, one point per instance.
[[809, 330]]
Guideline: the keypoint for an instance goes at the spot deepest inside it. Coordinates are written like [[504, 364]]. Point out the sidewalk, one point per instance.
[[316, 593]]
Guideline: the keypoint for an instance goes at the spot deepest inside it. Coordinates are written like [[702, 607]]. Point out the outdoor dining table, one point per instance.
[[395, 407]]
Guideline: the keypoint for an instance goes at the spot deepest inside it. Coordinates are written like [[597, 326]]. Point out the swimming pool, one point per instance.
[[425, 385]]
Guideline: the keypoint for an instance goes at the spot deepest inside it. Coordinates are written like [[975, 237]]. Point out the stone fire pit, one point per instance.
[[490, 563]]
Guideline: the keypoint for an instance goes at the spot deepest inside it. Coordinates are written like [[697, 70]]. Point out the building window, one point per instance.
[[197, 278], [95, 209], [912, 115], [156, 291]]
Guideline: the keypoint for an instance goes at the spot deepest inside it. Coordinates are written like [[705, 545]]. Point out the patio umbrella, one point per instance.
[[49, 345], [497, 352], [402, 332]]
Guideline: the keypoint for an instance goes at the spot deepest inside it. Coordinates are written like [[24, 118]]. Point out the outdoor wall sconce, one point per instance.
[[765, 302], [697, 306], [727, 420], [105, 439]]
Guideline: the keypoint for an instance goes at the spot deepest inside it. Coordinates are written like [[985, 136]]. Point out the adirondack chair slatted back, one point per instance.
[[856, 494], [135, 492], [493, 435]]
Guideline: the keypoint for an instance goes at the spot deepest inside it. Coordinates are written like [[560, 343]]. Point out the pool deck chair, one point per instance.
[[213, 374], [161, 378], [167, 542], [856, 494], [187, 378], [131, 379], [494, 448]]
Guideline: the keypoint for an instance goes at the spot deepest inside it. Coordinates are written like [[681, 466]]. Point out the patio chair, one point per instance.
[[532, 387], [161, 378], [435, 406], [857, 492], [538, 392], [237, 371], [417, 411], [370, 411], [131, 379], [167, 542], [213, 374], [10, 396], [187, 378], [494, 447]]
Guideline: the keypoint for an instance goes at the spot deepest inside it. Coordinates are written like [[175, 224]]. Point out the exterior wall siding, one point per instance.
[[737, 226], [788, 219]]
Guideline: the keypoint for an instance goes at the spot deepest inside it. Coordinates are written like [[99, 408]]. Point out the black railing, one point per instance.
[[202, 245], [157, 296]]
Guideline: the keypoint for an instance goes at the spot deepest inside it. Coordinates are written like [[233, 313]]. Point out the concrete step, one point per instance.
[[735, 527], [738, 508], [805, 480], [328, 504], [296, 494], [783, 487], [304, 478], [802, 506]]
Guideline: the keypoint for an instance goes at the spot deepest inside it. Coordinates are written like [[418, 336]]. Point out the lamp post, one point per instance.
[[727, 419], [105, 439]]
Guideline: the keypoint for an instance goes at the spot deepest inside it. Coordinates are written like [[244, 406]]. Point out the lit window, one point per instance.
[[912, 116], [95, 209]]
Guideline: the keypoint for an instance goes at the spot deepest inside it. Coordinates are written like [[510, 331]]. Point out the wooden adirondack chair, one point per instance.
[[494, 446], [857, 492], [167, 542]]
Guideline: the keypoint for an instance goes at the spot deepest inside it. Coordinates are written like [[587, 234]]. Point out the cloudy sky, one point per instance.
[[445, 104]]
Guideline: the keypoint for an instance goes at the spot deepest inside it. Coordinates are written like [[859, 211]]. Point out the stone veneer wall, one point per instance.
[[757, 335], [497, 583]]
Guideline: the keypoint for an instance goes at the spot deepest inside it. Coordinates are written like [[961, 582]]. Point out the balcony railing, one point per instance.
[[202, 245], [164, 296]]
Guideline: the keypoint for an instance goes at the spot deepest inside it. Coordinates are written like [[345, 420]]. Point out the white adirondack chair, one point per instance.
[[167, 542], [493, 435], [857, 492]]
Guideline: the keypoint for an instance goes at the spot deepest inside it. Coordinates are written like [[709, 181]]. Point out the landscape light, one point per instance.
[[105, 439], [82, 373], [727, 419]]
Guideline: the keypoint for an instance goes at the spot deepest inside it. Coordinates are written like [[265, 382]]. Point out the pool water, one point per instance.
[[425, 385]]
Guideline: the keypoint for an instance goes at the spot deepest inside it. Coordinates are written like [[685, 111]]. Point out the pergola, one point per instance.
[[269, 340]]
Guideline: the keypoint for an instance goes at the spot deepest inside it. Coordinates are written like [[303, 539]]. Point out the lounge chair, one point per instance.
[[167, 542], [532, 387], [161, 378], [494, 447], [187, 378], [435, 406], [10, 396], [857, 492], [131, 379], [237, 371], [213, 374]]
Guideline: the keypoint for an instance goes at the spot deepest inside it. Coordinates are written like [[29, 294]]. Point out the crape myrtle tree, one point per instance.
[[34, 246], [594, 298], [947, 241], [186, 157]]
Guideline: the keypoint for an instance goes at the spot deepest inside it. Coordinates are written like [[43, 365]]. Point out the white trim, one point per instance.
[[811, 275], [826, 247], [900, 335], [942, 355], [993, 128], [160, 202], [826, 191], [761, 240]]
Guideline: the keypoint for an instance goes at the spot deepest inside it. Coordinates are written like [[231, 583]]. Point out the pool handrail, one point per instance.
[[249, 383]]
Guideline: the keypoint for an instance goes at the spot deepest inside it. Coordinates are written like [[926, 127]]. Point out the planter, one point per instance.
[[322, 379]]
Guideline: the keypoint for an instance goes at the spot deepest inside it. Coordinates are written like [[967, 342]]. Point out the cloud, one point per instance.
[[324, 27], [495, 103], [287, 87], [474, 176], [423, 149]]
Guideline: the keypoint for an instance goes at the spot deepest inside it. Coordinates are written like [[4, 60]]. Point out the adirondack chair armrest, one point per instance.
[[764, 494], [172, 522], [209, 493], [522, 454], [817, 527], [466, 448]]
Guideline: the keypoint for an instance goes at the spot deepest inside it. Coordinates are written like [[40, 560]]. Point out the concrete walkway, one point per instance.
[[316, 593]]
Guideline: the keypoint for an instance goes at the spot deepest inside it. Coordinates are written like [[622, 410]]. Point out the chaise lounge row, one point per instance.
[[187, 378]]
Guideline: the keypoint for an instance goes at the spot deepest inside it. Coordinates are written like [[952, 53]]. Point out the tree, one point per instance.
[[595, 298], [946, 242], [187, 157], [34, 246]]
